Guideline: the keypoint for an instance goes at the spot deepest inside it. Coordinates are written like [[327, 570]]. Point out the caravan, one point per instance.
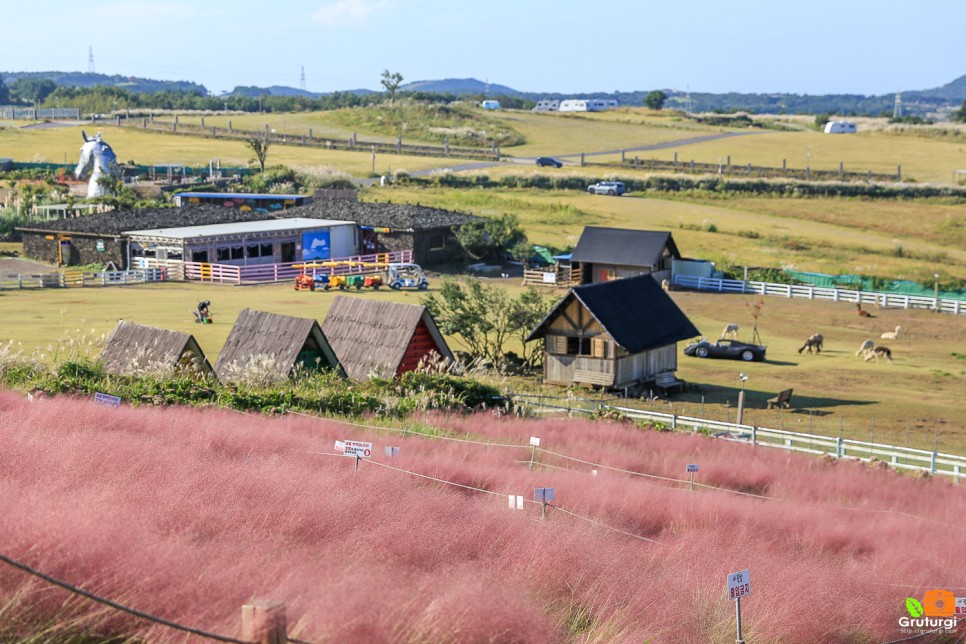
[[840, 127]]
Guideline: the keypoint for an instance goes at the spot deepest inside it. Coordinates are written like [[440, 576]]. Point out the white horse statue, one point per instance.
[[95, 151]]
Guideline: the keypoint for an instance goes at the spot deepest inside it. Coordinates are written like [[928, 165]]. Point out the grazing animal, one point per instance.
[[879, 352], [862, 312], [891, 335], [866, 346], [730, 331], [814, 342]]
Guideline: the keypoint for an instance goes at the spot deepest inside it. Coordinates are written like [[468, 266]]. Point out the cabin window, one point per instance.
[[223, 254], [578, 347], [437, 241], [237, 252], [254, 250]]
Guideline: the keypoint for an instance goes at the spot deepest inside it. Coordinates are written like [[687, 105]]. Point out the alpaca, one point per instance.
[[891, 335], [665, 286], [878, 352], [730, 331], [814, 341], [863, 313], [866, 346]]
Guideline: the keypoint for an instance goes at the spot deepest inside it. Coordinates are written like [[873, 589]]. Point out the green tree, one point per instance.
[[4, 92], [391, 81], [527, 311], [259, 144], [655, 99], [958, 115], [32, 90], [492, 238]]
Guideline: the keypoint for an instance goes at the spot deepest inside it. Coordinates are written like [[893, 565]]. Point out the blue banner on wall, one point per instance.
[[315, 245]]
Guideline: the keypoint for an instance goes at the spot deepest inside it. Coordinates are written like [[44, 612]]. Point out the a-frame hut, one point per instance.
[[612, 334], [381, 338], [271, 345], [136, 349]]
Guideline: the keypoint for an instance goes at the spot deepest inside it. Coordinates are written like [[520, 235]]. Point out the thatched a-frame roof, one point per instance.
[[381, 338], [135, 349], [273, 345]]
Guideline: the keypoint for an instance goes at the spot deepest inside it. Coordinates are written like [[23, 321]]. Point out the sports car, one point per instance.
[[731, 349]]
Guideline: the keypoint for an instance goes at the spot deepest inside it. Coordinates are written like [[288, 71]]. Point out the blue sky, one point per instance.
[[850, 46]]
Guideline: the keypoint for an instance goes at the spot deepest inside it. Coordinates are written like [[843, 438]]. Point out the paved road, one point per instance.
[[479, 165]]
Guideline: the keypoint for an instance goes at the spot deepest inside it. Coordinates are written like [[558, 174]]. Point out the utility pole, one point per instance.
[[90, 60]]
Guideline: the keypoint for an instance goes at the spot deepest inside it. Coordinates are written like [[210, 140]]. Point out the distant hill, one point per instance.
[[460, 86], [282, 90], [130, 83]]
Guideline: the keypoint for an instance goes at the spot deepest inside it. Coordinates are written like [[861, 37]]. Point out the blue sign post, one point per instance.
[[543, 495]]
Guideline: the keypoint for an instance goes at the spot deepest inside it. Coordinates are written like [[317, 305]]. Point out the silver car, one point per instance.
[[612, 188]]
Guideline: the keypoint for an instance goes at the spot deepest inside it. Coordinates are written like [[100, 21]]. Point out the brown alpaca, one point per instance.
[[863, 313], [814, 342]]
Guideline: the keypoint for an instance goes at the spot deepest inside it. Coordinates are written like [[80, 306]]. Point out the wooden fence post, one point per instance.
[[263, 621]]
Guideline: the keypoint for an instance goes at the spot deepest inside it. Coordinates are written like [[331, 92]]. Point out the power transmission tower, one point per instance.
[[90, 60], [302, 84], [897, 110]]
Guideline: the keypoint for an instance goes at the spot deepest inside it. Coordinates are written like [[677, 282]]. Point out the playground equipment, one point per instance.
[[333, 274]]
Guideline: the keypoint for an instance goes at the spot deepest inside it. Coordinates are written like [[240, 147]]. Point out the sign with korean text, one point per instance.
[[739, 584], [692, 467], [107, 399], [357, 448]]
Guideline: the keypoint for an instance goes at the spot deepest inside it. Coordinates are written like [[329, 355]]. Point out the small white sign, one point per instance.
[[549, 278], [392, 451], [692, 468], [961, 606], [339, 446], [739, 584], [357, 448], [516, 502], [107, 399], [535, 441]]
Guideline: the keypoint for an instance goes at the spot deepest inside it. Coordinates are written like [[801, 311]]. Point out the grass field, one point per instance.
[[880, 150], [914, 401], [899, 239]]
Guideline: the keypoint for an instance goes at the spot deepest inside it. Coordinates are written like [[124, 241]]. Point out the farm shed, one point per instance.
[[269, 241], [429, 232], [269, 344], [243, 201], [135, 349], [605, 254], [376, 337], [612, 334]]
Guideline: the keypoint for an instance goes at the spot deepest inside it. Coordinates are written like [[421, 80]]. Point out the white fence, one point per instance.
[[69, 279], [903, 458], [957, 307]]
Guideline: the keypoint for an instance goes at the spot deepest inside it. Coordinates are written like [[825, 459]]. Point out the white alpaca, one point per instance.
[[730, 331], [891, 335], [866, 346]]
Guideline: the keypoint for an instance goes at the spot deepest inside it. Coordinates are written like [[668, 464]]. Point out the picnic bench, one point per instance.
[[781, 401], [666, 381]]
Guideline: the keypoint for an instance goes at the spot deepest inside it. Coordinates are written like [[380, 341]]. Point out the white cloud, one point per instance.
[[349, 12]]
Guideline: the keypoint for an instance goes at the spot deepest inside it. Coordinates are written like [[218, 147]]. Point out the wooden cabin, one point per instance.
[[136, 349], [271, 345], [604, 254], [380, 338], [612, 334]]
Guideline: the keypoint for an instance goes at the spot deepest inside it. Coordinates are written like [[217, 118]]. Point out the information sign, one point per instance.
[[739, 584]]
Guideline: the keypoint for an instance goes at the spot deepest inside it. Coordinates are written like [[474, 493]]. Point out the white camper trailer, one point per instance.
[[840, 127], [490, 105]]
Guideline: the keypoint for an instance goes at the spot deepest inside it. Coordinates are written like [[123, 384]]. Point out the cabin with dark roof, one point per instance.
[[612, 334], [604, 254], [136, 349], [381, 338], [264, 345]]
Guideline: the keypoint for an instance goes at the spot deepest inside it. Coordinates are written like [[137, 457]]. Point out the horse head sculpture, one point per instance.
[[95, 152]]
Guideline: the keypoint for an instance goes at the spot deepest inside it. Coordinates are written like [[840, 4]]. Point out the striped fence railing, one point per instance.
[[69, 279], [805, 291], [902, 458]]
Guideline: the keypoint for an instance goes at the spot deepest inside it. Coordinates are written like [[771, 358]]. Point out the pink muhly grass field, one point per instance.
[[187, 514]]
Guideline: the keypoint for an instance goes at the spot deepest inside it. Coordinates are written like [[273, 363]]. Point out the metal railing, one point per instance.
[[69, 279], [809, 292], [904, 458]]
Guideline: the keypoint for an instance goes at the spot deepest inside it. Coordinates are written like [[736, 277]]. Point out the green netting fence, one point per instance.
[[862, 283]]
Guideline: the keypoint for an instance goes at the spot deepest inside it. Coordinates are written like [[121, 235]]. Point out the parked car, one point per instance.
[[549, 161], [731, 349], [612, 188]]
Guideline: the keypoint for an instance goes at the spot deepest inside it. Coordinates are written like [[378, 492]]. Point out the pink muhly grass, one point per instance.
[[189, 513]]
